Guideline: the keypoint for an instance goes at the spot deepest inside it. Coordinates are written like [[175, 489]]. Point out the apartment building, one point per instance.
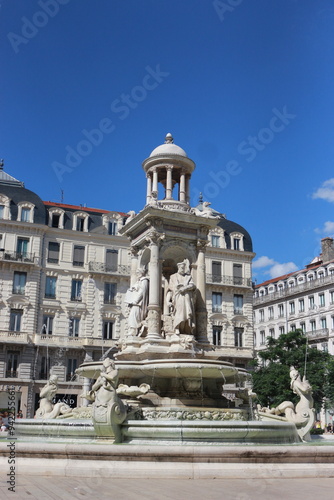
[[302, 300]]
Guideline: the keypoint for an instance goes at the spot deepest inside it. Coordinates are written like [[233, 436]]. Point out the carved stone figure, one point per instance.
[[46, 408], [137, 300], [108, 410], [180, 297], [303, 415], [206, 212]]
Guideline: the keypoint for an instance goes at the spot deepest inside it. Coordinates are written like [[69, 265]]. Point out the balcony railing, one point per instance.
[[100, 267], [228, 280], [27, 258], [317, 335], [294, 290]]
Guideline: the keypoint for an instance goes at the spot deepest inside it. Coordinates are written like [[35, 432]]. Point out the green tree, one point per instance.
[[272, 381]]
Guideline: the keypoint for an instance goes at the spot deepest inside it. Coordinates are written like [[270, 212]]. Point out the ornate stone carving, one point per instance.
[[181, 414], [46, 408], [137, 300]]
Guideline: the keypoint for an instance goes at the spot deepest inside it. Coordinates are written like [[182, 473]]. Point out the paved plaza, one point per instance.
[[69, 488]]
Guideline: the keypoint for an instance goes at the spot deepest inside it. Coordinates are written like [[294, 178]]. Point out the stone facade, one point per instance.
[[300, 300]]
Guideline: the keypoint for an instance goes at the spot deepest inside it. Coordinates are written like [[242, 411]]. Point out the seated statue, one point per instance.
[[180, 297]]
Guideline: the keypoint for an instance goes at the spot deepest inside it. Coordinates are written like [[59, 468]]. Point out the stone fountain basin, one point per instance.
[[167, 368]]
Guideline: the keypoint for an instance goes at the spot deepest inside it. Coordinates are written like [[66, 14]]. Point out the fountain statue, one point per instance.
[[46, 408], [303, 415]]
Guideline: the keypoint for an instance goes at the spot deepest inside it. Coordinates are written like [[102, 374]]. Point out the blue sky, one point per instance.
[[245, 87]]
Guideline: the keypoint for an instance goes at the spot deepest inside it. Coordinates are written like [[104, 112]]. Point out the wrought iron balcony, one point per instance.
[[102, 268], [26, 258], [228, 280], [318, 335]]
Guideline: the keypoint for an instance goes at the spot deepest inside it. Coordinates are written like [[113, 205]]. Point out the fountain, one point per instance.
[[165, 386]]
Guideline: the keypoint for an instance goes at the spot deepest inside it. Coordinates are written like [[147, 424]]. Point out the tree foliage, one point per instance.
[[272, 381]]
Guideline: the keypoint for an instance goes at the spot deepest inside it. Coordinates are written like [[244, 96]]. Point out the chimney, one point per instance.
[[327, 249]]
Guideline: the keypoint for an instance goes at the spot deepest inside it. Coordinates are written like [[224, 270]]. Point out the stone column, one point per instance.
[[149, 188], [154, 307], [134, 265], [188, 189], [169, 185], [155, 180], [86, 385], [201, 312], [183, 186]]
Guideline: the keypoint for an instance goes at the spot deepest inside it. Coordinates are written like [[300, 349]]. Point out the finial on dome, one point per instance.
[[169, 139], [200, 198], [1, 164]]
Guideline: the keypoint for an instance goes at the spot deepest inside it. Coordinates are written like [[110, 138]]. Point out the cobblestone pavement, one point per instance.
[[70, 488]]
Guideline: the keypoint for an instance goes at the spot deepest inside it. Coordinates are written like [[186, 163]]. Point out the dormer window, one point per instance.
[[237, 241], [112, 221], [25, 212], [4, 207], [80, 222], [56, 218]]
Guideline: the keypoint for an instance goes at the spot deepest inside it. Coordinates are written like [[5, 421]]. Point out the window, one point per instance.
[[80, 225], [324, 346], [270, 312], [311, 302], [15, 320], [217, 299], [112, 228], [312, 325], [238, 334], [55, 219], [45, 367], [108, 329], [53, 252], [238, 304], [236, 243], [78, 256], [12, 364], [2, 211], [74, 327], [72, 365], [19, 282], [47, 327], [110, 290], [262, 337], [291, 307], [237, 274], [303, 327], [281, 330], [111, 260], [215, 241], [216, 335], [323, 323], [331, 297], [301, 305], [280, 310], [50, 287], [216, 272], [292, 327], [321, 299], [272, 332], [76, 290], [22, 246], [261, 312], [25, 214]]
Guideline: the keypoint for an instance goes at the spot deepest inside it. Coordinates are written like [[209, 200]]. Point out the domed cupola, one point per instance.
[[170, 166]]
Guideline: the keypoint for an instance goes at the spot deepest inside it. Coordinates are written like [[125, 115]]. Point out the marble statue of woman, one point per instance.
[[180, 295], [46, 408], [137, 300]]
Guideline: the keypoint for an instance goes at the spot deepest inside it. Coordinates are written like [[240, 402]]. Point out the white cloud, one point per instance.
[[276, 269], [325, 192], [280, 269], [263, 262], [327, 229]]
